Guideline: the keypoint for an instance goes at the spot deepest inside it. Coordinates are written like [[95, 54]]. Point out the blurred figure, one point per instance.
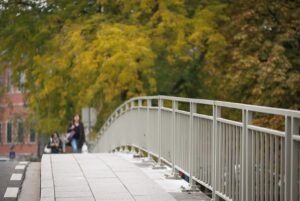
[[78, 136], [55, 143]]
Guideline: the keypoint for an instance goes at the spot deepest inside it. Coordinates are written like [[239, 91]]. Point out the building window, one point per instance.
[[2, 83], [20, 132], [22, 81], [0, 133], [32, 135], [25, 103], [9, 132], [8, 81]]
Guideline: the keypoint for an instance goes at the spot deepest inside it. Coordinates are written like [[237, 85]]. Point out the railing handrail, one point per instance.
[[241, 106]]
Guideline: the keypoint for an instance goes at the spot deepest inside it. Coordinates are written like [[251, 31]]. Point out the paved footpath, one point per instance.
[[96, 177], [173, 187], [31, 184]]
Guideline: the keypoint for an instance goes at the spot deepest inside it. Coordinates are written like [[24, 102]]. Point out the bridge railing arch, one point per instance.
[[235, 159]]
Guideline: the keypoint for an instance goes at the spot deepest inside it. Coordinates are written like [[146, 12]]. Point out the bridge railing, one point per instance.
[[235, 159]]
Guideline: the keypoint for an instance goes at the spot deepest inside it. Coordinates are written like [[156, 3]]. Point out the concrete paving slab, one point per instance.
[[155, 197], [31, 186], [109, 187], [66, 174], [65, 184], [131, 175], [144, 190], [72, 189], [116, 196], [190, 197], [47, 199], [47, 176], [173, 187], [96, 177], [47, 183], [100, 174], [47, 192], [73, 194], [76, 199], [69, 180]]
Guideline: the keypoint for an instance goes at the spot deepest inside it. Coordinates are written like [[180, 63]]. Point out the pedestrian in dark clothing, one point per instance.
[[77, 129], [55, 143]]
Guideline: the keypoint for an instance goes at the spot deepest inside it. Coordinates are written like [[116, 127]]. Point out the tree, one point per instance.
[[100, 53], [263, 49], [98, 65], [27, 26]]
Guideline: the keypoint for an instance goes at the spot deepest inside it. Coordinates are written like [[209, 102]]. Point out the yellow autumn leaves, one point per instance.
[[110, 65]]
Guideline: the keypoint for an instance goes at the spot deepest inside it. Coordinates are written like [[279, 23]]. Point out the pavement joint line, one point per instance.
[[20, 167], [84, 176], [52, 177], [16, 177], [133, 197], [11, 192]]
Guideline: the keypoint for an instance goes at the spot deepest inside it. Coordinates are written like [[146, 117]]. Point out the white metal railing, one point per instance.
[[236, 160]]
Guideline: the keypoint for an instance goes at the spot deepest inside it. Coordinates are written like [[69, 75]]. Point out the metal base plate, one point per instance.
[[191, 189], [173, 176], [158, 167]]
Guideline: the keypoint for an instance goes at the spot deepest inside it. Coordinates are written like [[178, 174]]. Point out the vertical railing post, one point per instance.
[[112, 119], [131, 104], [160, 105], [159, 128], [216, 115], [174, 108], [193, 109], [131, 133], [139, 132], [288, 161], [295, 161], [246, 160], [248, 157], [140, 103], [128, 108], [127, 111], [243, 157], [148, 135]]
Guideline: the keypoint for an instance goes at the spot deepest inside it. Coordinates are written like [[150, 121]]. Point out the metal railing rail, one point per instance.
[[236, 160]]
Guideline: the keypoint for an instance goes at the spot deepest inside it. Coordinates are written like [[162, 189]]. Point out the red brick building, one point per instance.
[[15, 131]]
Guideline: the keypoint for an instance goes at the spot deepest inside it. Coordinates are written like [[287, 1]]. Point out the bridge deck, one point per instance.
[[93, 177]]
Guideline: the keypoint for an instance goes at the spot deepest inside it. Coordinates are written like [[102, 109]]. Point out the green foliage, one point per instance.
[[261, 65], [100, 70], [99, 53]]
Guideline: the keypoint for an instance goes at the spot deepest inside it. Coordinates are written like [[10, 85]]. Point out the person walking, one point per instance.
[[55, 143], [78, 139]]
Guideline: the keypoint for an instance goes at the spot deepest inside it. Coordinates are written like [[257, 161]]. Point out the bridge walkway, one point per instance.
[[93, 177]]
